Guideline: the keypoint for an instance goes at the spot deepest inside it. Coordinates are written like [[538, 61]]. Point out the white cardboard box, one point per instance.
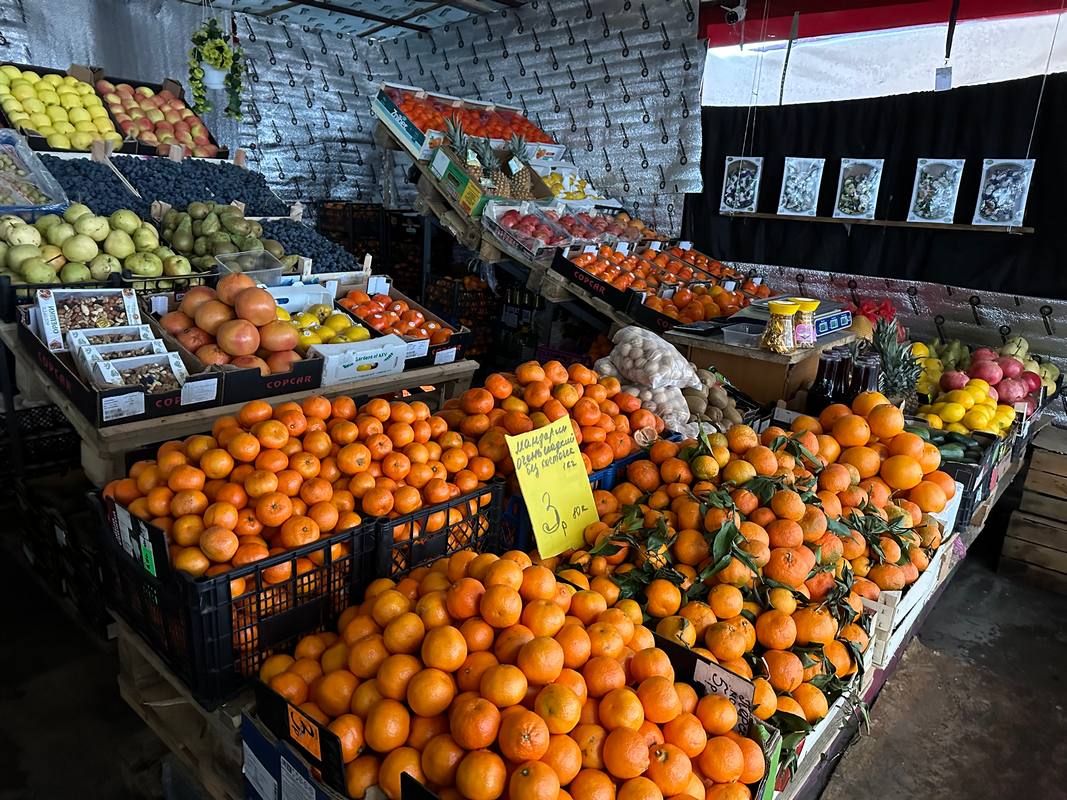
[[344, 363]]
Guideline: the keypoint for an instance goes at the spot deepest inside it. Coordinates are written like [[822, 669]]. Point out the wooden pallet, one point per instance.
[[1035, 547], [207, 742]]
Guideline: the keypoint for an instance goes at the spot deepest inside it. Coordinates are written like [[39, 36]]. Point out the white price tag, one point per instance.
[[377, 284], [729, 285], [685, 245], [589, 248], [199, 391], [943, 79], [160, 304], [262, 781], [124, 523], [757, 280], [655, 245], [623, 247], [294, 785], [419, 347], [122, 405], [446, 356]]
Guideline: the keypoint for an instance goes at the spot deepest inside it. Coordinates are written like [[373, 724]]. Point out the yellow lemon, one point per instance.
[[320, 310], [955, 427], [282, 314], [340, 339], [357, 333], [977, 393], [919, 350], [338, 322], [978, 382], [34, 106], [952, 412], [934, 421], [305, 319], [960, 396], [977, 417], [306, 339], [325, 334]]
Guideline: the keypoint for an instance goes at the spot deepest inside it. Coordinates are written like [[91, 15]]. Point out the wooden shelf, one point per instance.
[[715, 344], [883, 223]]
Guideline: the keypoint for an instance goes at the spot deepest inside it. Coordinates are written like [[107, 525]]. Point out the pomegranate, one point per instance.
[[252, 361], [256, 305], [238, 337], [212, 314], [175, 322], [192, 339], [212, 354], [283, 361], [232, 285], [194, 298], [277, 336]]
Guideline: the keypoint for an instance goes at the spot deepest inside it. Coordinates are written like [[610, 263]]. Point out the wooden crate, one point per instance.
[[1035, 546], [207, 742]]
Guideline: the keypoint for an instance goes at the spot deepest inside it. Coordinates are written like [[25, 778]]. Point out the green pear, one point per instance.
[[119, 244], [57, 234], [36, 270], [24, 234], [47, 221], [74, 272], [104, 265], [144, 265], [19, 254], [145, 238], [76, 210], [80, 248], [125, 220], [96, 228]]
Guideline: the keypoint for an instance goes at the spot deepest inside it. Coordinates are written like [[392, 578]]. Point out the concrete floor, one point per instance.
[[975, 710], [977, 706]]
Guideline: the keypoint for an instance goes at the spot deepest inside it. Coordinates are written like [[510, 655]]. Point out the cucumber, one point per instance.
[[960, 438], [952, 452], [919, 430]]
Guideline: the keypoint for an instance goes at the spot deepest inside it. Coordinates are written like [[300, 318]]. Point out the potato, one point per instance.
[[697, 404], [717, 397], [714, 414]]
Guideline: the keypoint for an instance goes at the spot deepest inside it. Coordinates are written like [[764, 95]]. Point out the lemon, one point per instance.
[[955, 427], [52, 79], [960, 396], [57, 141], [320, 311], [338, 322], [938, 407], [70, 100], [924, 409], [934, 421], [952, 412], [282, 314], [40, 120], [64, 127], [325, 334], [34, 106], [58, 113], [978, 382], [49, 98], [340, 339], [97, 112], [305, 319], [31, 76], [977, 418], [357, 333], [977, 393], [306, 339], [103, 125], [919, 350]]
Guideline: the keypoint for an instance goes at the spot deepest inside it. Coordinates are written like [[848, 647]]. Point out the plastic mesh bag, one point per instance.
[[642, 357]]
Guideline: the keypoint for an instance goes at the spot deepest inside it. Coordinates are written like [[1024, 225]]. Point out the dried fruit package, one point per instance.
[[740, 184], [155, 374], [1002, 195], [857, 188], [801, 180], [937, 184]]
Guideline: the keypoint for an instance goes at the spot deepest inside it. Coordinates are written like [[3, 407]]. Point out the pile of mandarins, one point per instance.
[[275, 478], [485, 677], [604, 418], [757, 551]]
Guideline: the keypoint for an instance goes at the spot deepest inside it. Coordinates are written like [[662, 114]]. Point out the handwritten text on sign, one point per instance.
[[555, 487]]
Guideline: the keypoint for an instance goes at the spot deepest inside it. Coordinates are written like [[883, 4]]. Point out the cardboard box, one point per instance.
[[561, 263], [447, 167], [344, 363], [123, 404]]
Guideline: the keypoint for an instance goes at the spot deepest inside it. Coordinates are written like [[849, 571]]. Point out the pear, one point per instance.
[[80, 248], [59, 233], [74, 211], [36, 270], [125, 220], [74, 272], [119, 244], [19, 254], [104, 265], [145, 238], [96, 228], [47, 221], [24, 234]]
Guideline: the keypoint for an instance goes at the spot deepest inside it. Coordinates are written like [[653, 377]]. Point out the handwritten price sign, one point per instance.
[[555, 487]]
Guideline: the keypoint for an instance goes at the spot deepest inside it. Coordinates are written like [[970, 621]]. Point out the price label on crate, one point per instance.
[[305, 732], [555, 486]]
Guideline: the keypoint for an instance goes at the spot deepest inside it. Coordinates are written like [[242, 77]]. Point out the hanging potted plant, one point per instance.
[[215, 63]]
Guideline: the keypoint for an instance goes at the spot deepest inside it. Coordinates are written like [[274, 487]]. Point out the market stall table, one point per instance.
[[762, 375], [105, 450]]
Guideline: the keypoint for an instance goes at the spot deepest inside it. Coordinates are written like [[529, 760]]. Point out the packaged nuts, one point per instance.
[[63, 310], [93, 337], [154, 374], [88, 355]]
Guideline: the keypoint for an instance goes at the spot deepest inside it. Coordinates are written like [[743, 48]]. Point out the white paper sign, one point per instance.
[[294, 785], [719, 680], [122, 405], [258, 775], [942, 79], [199, 391], [446, 356], [417, 348]]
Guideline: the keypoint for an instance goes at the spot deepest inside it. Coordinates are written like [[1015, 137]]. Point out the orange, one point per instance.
[[395, 673], [901, 472], [865, 402], [481, 775], [663, 598], [503, 685], [944, 480], [444, 648], [625, 753], [333, 693], [541, 660], [523, 736], [621, 708], [687, 733], [775, 630], [592, 784], [501, 606], [864, 459], [473, 721], [649, 662], [722, 761], [559, 707], [784, 668], [851, 431], [717, 714], [290, 686], [886, 421], [812, 701], [430, 692], [669, 769], [564, 756], [659, 699], [533, 780], [387, 725], [602, 674], [440, 759], [929, 497]]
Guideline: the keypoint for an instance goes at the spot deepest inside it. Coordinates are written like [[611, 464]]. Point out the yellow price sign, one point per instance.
[[555, 486]]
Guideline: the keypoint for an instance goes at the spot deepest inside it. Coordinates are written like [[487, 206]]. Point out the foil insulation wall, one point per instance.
[[618, 81]]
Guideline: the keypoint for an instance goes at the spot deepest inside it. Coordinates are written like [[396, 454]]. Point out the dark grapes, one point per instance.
[[231, 182], [296, 237], [95, 185], [163, 179]]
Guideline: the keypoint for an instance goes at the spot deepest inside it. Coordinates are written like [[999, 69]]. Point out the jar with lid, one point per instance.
[[778, 335], [804, 323]]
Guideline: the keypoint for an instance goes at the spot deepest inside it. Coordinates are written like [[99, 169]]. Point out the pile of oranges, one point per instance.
[[386, 315], [430, 112], [485, 677], [758, 550], [275, 478], [697, 303], [604, 418]]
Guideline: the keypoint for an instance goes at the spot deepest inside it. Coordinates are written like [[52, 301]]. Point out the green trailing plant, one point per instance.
[[212, 47]]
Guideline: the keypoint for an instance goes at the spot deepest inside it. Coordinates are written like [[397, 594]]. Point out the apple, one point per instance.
[[1032, 380], [124, 88], [136, 113], [186, 113], [162, 149], [166, 138], [201, 140], [111, 97], [144, 91], [155, 115], [105, 87], [126, 125], [148, 138], [210, 150], [120, 117], [164, 127], [172, 117]]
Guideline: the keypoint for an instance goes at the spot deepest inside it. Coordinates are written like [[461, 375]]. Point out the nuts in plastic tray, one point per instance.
[[90, 354], [123, 334], [63, 310], [155, 374]]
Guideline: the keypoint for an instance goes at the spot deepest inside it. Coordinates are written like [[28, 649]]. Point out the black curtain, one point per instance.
[[974, 122]]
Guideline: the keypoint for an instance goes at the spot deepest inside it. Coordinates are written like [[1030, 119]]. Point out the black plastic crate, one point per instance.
[[48, 441], [215, 640], [12, 294], [469, 521]]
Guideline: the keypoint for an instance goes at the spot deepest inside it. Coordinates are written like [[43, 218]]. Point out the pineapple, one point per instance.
[[521, 181], [900, 369], [491, 169], [460, 142]]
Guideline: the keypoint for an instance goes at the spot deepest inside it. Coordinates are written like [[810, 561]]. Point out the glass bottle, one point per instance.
[[778, 335], [842, 392], [821, 393]]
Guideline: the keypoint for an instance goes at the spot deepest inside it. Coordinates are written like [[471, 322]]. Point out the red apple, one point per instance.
[[172, 116], [124, 88], [186, 113], [121, 117], [155, 115], [144, 91], [164, 127], [105, 87], [201, 139], [148, 138], [111, 97]]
